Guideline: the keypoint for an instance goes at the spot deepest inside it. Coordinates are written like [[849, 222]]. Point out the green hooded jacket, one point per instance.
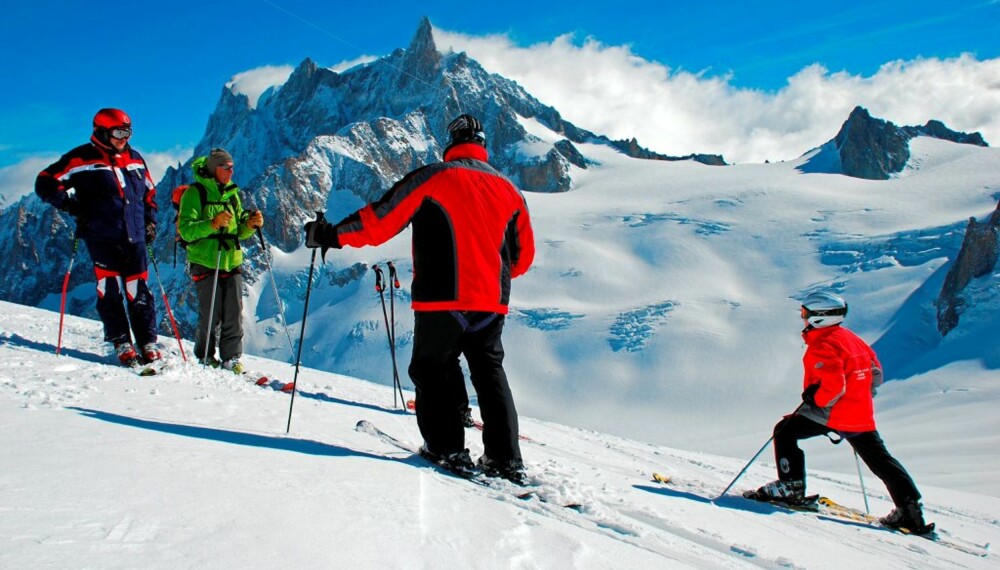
[[194, 222]]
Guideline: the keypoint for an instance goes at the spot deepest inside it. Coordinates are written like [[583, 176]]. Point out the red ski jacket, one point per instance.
[[471, 231], [844, 366], [114, 194]]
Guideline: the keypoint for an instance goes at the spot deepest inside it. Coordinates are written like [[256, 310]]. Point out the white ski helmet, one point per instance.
[[823, 309]]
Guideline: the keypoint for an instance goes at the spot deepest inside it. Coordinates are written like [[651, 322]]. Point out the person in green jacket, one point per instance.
[[212, 221]]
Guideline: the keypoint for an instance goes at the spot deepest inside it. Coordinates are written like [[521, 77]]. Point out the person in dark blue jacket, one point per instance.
[[106, 186]]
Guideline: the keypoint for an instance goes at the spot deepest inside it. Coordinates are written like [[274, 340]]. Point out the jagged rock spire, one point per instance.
[[422, 57]]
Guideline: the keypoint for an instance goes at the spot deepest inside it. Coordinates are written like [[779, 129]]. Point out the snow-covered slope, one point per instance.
[[193, 469]]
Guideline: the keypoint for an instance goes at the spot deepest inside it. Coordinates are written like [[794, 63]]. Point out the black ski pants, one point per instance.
[[227, 320], [871, 449], [120, 269], [439, 337]]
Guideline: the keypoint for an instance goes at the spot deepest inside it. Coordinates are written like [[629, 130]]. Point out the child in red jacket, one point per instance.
[[841, 375]]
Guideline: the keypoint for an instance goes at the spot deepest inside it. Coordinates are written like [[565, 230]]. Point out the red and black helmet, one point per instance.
[[112, 118]]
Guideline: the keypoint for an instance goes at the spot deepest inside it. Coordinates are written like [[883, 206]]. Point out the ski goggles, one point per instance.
[[806, 313], [121, 133], [226, 167]]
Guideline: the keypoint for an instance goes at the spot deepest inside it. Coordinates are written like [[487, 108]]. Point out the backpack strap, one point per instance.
[[224, 239]]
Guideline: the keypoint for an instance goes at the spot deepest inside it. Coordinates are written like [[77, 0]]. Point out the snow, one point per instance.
[[193, 468]]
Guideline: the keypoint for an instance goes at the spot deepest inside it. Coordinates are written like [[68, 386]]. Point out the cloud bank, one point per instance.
[[612, 91], [18, 180], [254, 82]]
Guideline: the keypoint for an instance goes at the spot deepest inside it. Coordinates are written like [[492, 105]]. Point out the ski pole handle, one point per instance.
[[393, 278]]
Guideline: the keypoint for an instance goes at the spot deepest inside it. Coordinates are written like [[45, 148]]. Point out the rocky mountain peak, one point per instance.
[[422, 57], [871, 148], [875, 149]]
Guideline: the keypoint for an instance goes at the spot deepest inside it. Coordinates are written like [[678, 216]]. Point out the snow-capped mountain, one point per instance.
[[662, 304]]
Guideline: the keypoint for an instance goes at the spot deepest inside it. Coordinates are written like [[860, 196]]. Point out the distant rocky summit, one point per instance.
[[875, 149], [978, 256]]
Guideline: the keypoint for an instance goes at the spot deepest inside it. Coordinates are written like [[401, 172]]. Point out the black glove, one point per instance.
[[809, 394], [321, 234], [150, 232], [72, 207]]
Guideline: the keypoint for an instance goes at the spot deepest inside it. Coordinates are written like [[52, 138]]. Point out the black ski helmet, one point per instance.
[[466, 128]]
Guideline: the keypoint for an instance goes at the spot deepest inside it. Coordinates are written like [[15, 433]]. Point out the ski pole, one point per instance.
[[393, 287], [862, 479], [385, 316], [274, 289], [752, 460], [302, 331], [166, 303], [62, 304], [380, 288], [211, 304]]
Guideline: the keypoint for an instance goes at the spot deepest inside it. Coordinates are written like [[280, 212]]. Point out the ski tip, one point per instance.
[[362, 425], [661, 478]]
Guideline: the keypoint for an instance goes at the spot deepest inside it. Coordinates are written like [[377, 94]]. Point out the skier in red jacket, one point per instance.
[[471, 236], [842, 374]]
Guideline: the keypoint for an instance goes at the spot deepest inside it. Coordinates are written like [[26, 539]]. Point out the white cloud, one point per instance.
[[254, 82], [18, 180], [349, 63], [158, 162], [612, 91]]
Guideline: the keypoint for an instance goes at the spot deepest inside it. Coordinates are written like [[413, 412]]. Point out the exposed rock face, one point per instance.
[[871, 148], [977, 257], [875, 149], [938, 130], [632, 148]]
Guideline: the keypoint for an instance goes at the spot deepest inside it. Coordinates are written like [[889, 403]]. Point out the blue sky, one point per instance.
[[166, 64]]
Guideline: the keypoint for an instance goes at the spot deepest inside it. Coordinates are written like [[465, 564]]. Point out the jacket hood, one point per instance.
[[198, 168]]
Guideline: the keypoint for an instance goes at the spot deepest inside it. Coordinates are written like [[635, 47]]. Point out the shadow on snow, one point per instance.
[[304, 446]]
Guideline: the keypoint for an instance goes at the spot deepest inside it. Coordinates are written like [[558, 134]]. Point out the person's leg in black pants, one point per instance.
[[790, 459], [436, 337], [483, 350], [871, 449]]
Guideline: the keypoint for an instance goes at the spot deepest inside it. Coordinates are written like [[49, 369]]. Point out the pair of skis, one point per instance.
[[525, 493], [263, 380], [825, 507]]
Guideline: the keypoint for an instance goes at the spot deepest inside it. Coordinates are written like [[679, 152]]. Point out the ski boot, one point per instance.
[[511, 470], [788, 492], [234, 365], [126, 354], [460, 462], [151, 352], [908, 517]]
